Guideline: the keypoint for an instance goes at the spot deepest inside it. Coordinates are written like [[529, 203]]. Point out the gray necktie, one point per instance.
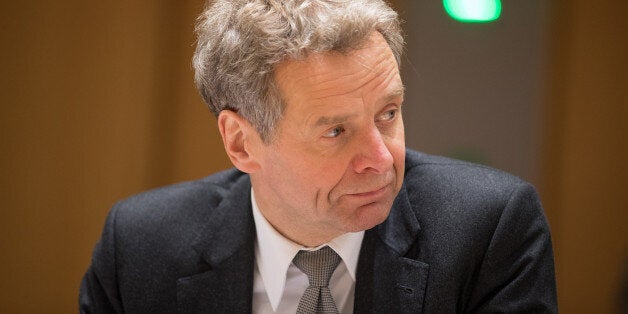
[[318, 266]]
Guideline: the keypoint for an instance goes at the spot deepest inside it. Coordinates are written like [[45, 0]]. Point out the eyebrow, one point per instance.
[[399, 92], [326, 120], [333, 120]]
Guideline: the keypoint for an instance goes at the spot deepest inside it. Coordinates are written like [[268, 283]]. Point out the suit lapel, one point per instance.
[[387, 280], [224, 282]]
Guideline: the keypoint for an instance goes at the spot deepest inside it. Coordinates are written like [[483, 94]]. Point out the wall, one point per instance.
[[97, 103], [475, 90], [586, 152]]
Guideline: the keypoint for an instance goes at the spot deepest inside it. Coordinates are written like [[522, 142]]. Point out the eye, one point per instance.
[[334, 132], [388, 115]]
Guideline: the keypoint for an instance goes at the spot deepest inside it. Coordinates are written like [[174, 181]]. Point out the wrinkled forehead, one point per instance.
[[371, 57]]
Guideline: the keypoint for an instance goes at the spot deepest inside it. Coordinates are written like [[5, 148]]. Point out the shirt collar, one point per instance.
[[274, 253]]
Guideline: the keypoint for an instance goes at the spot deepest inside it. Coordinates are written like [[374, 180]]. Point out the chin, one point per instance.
[[369, 216]]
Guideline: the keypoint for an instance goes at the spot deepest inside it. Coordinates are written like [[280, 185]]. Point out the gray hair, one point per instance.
[[241, 41]]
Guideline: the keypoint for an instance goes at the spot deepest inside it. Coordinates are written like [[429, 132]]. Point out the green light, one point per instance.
[[473, 11]]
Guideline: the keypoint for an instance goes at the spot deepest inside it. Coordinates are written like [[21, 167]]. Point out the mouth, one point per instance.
[[375, 193], [367, 190], [370, 193]]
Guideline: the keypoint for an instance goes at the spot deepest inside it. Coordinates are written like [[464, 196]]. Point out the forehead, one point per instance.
[[329, 74]]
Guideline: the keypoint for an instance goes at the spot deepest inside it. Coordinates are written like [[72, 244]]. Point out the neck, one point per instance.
[[302, 235], [293, 228]]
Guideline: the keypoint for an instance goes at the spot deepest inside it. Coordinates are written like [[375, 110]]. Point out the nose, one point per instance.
[[372, 154]]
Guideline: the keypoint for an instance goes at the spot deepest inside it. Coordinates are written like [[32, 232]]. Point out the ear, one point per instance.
[[239, 137]]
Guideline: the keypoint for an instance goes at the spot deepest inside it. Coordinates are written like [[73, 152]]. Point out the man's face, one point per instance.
[[337, 161]]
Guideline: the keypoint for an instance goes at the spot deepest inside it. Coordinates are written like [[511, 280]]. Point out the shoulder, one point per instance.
[[446, 169], [450, 177], [483, 232], [179, 205], [210, 189], [454, 193]]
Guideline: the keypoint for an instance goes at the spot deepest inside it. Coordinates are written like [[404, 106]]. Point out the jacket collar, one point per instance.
[[387, 280], [401, 228], [226, 247]]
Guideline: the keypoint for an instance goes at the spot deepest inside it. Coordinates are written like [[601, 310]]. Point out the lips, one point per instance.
[[371, 195], [371, 185], [371, 192], [368, 189]]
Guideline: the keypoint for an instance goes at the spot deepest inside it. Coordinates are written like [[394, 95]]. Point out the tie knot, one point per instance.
[[317, 265]]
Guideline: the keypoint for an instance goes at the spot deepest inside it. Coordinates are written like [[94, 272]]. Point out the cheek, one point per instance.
[[305, 177], [322, 168], [397, 149], [325, 176]]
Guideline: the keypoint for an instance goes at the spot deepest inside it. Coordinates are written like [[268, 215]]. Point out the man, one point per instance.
[[308, 98]]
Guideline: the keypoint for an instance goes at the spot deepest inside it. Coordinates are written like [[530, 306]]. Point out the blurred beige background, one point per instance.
[[98, 103]]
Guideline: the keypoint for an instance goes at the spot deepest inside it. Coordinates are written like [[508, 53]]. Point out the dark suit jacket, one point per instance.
[[459, 238]]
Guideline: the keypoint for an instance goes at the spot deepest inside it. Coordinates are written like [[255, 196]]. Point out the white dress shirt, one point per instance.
[[278, 284]]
